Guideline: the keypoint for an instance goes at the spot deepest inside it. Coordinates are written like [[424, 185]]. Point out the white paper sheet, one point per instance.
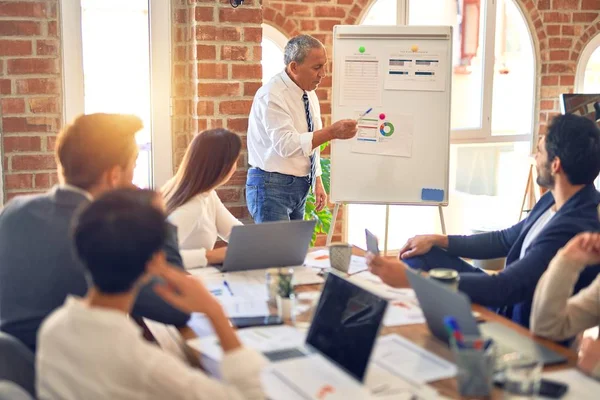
[[405, 359], [404, 310], [311, 377], [360, 83], [261, 339], [393, 136], [420, 70], [384, 385], [581, 386], [320, 259]]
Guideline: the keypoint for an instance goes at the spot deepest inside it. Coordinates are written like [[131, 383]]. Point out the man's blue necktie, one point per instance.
[[309, 122]]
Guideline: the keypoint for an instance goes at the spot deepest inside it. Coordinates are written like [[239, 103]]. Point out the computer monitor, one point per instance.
[[586, 105], [346, 324]]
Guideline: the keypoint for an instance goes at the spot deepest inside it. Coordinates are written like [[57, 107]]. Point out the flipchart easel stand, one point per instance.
[[336, 209]]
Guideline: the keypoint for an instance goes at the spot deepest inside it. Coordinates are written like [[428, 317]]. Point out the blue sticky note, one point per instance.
[[432, 194]]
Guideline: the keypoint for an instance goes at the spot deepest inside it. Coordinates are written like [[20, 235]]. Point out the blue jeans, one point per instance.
[[271, 196], [439, 258]]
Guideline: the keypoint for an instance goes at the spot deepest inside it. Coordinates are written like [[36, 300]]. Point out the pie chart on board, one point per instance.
[[386, 129]]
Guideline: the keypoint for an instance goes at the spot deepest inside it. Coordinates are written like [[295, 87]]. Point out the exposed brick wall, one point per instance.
[[217, 71], [30, 92]]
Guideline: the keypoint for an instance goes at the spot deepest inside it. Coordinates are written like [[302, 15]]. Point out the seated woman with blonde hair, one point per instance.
[[192, 203]]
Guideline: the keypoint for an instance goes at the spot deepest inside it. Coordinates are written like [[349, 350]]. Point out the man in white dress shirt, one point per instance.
[[284, 134]]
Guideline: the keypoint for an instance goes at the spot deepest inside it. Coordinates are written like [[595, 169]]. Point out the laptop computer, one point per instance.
[[437, 301], [271, 244], [344, 328]]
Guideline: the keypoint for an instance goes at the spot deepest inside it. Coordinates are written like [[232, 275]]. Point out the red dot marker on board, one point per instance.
[[381, 116]]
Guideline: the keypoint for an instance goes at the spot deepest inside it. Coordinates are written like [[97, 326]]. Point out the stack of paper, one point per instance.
[[404, 309], [320, 259]]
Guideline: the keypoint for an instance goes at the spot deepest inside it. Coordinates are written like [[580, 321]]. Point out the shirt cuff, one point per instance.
[[306, 143], [241, 362], [194, 258]]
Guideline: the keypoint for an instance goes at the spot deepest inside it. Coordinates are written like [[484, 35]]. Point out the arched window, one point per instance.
[[588, 69], [273, 44]]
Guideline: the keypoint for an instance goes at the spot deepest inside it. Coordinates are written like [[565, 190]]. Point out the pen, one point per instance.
[[228, 287], [365, 113]]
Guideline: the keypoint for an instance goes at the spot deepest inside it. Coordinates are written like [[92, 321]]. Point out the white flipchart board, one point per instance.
[[404, 73]]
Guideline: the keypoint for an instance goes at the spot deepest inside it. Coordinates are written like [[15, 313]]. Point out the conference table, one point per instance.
[[420, 335]]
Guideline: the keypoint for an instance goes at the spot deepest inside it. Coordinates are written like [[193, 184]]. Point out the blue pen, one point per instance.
[[228, 287], [365, 113], [452, 325]]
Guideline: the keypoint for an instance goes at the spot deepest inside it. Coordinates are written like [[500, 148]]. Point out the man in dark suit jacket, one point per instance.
[[38, 266], [568, 161]]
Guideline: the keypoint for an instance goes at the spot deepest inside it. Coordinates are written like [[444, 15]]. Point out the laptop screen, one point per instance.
[[346, 324]]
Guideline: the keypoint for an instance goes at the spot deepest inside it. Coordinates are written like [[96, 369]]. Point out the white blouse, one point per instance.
[[199, 222]]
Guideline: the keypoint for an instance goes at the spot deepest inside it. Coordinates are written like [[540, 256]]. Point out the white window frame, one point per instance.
[[584, 59], [160, 69], [484, 133]]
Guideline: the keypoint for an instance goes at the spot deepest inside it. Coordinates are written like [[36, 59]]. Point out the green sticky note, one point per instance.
[[361, 49]]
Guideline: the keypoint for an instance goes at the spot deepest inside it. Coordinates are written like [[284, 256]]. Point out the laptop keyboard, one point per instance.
[[279, 355]]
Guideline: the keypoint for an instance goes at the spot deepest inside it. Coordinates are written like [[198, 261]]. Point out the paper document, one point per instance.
[[401, 357], [320, 259], [261, 339], [404, 310], [393, 135], [421, 70], [385, 385], [310, 377], [375, 284], [360, 83], [581, 386]]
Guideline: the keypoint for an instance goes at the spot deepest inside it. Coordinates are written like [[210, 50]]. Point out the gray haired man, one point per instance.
[[284, 134]]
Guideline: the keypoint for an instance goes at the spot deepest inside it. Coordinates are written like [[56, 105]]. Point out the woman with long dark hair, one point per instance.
[[192, 203]]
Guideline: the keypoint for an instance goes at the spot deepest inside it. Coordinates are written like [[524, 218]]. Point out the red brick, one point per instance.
[[46, 47], [29, 124], [53, 28], [240, 212], [550, 80], [239, 125], [556, 17], [45, 180], [235, 107], [229, 195], [298, 10], [568, 30], [22, 9], [253, 35], [308, 25], [44, 105], [553, 30], [590, 5], [12, 106], [181, 16], [347, 2], [205, 108], [246, 71], [18, 181], [543, 5], [239, 177], [206, 52], [234, 53], [243, 15], [565, 4], [5, 86], [560, 43], [212, 71], [19, 28], [561, 68], [213, 89], [547, 105], [250, 88], [228, 34], [328, 24], [50, 143], [584, 17], [204, 14], [33, 66], [567, 80], [33, 162], [22, 143], [257, 53], [38, 86], [15, 47], [330, 11], [206, 32], [559, 55]]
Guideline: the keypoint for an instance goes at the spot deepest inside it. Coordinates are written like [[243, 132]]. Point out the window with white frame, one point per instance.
[[492, 117], [273, 44], [124, 69]]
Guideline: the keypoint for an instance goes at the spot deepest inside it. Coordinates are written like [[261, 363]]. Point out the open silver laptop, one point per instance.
[[344, 328], [271, 244], [437, 302]]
